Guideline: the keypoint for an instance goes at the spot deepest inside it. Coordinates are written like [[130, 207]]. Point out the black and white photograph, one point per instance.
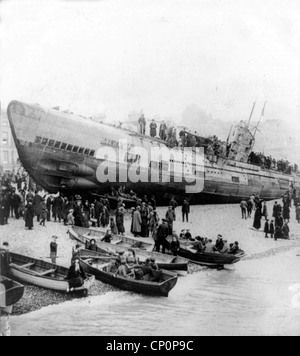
[[149, 170]]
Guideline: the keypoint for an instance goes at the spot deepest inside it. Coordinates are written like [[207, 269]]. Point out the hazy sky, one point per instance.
[[115, 56]]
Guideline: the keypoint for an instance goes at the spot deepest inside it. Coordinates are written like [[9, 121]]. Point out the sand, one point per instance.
[[206, 221]]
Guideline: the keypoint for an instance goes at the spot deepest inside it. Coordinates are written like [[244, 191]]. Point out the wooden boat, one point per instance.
[[210, 259], [166, 262], [84, 235], [176, 264], [167, 280], [10, 293], [43, 274]]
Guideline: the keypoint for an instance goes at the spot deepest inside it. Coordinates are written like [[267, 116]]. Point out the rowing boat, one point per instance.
[[166, 262], [176, 264], [84, 235], [44, 274], [209, 259], [10, 293], [167, 280]]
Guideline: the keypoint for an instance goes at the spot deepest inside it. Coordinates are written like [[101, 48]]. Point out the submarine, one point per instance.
[[71, 154]]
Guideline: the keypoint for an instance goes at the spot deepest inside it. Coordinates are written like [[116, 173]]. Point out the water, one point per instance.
[[258, 298]]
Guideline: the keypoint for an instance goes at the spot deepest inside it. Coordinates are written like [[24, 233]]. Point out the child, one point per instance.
[[267, 228], [272, 229], [53, 249], [71, 220]]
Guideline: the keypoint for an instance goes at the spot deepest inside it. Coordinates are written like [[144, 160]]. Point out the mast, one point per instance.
[[251, 113], [261, 115]]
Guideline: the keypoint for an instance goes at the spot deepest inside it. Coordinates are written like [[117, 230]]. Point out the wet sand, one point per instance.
[[206, 221]]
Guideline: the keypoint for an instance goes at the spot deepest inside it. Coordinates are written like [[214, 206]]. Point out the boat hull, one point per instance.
[[166, 262], [10, 293], [138, 286], [209, 259], [58, 283]]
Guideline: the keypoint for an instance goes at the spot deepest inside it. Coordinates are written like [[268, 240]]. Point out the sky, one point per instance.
[[159, 56]]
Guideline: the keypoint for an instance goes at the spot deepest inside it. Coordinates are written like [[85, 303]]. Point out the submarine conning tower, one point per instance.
[[241, 142]]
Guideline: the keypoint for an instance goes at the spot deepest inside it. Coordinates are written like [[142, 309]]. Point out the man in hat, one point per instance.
[[53, 249], [219, 243], [162, 234], [185, 210], [170, 217], [188, 235]]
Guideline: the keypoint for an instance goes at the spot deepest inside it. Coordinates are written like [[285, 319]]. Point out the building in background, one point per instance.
[[8, 151]]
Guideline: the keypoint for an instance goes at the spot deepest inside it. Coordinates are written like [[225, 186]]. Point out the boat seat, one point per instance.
[[27, 265], [41, 274], [116, 242]]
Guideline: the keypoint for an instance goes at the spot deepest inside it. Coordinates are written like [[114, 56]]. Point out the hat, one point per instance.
[[220, 236], [55, 237], [121, 252], [152, 259]]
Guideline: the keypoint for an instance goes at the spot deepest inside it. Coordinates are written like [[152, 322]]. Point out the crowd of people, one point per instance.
[[269, 162], [276, 225]]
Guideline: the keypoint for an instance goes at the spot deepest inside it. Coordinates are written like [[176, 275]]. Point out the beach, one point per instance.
[[205, 221]]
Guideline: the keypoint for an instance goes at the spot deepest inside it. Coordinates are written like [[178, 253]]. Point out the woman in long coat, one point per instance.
[[137, 222], [257, 219], [29, 215], [286, 213], [120, 220]]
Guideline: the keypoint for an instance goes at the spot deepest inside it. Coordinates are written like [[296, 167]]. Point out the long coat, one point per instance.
[[286, 212], [137, 222], [37, 205], [257, 219], [120, 222], [29, 215], [153, 129]]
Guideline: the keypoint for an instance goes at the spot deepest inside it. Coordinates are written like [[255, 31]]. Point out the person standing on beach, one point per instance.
[[29, 215], [53, 249], [173, 203], [171, 217], [243, 206], [250, 205], [267, 229], [185, 210], [257, 219], [162, 234], [265, 211], [286, 231], [43, 210], [137, 222], [276, 210], [2, 208], [286, 213], [37, 200], [272, 229], [298, 213]]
